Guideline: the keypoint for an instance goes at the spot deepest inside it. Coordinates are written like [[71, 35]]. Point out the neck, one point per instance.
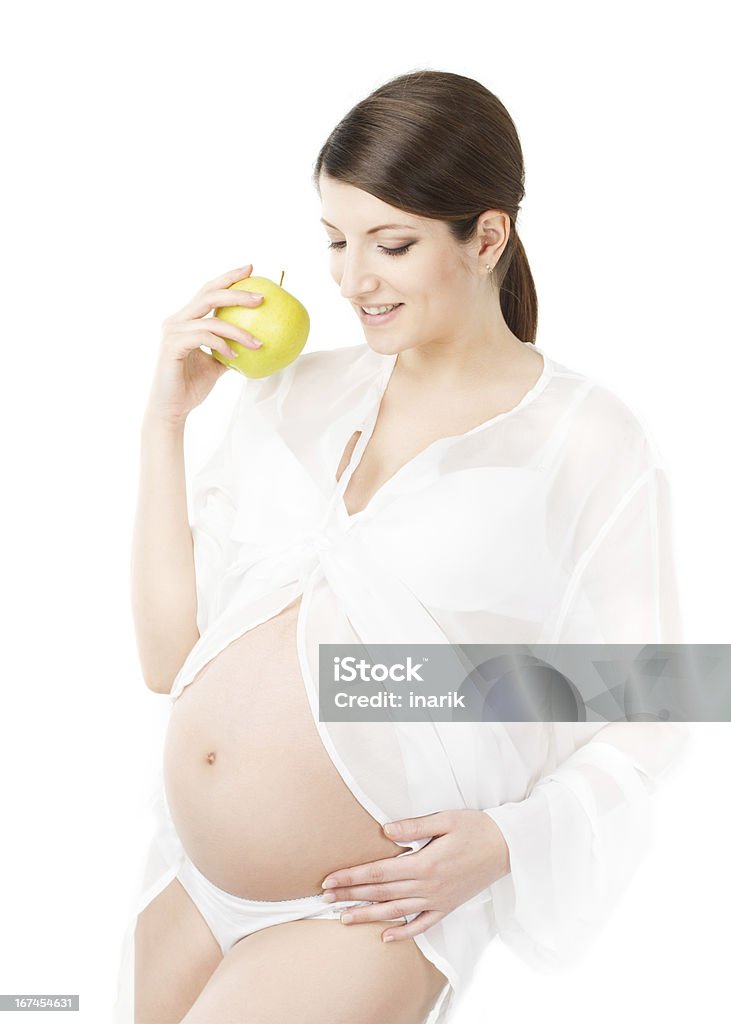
[[459, 361]]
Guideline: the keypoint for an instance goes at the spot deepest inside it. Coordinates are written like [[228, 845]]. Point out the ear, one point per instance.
[[493, 232]]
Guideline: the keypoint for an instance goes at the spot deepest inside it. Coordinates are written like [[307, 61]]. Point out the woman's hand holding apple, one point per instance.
[[185, 374]]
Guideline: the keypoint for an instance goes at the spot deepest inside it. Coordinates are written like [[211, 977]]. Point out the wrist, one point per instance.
[[154, 423]]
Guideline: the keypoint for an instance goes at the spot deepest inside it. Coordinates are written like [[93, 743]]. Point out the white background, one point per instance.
[[150, 147]]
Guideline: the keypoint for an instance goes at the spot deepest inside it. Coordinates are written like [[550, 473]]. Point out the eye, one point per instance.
[[388, 252]]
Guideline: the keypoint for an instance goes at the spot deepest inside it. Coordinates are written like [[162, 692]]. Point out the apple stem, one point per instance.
[[281, 279]]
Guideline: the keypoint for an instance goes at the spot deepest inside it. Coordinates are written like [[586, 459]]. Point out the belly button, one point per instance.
[[211, 757]]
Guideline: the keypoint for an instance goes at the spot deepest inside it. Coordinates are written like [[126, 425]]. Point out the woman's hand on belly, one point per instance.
[[467, 854], [255, 798]]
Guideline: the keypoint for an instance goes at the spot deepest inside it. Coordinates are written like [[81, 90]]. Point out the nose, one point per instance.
[[357, 281]]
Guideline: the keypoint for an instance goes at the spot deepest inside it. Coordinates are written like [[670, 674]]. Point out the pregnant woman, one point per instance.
[[443, 482]]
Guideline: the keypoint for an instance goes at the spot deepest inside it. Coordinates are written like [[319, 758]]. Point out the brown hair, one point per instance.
[[440, 145]]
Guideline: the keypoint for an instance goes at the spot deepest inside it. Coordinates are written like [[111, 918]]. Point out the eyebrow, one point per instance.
[[372, 231]]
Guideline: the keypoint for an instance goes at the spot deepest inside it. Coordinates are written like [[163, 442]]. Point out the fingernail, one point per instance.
[[345, 918], [328, 882], [258, 344], [330, 897], [256, 295], [388, 938]]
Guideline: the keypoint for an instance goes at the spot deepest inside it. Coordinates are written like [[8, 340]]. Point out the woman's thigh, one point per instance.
[[313, 971], [175, 955]]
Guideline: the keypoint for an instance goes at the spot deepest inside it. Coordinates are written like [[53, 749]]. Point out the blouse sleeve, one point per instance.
[[577, 838], [212, 507]]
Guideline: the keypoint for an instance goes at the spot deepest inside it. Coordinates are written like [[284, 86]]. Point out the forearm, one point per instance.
[[163, 586]]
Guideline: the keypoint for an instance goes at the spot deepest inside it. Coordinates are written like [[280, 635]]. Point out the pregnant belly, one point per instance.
[[257, 803]]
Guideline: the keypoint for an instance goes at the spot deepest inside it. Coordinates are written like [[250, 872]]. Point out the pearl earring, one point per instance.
[[488, 268]]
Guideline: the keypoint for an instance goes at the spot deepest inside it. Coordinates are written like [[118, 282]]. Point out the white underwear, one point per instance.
[[231, 918]]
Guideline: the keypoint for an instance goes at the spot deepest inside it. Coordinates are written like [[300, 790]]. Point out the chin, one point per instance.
[[380, 344]]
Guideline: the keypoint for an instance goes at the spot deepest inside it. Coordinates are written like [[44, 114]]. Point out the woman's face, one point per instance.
[[416, 264]]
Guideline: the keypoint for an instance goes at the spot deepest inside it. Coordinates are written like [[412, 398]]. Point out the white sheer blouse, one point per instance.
[[549, 523]]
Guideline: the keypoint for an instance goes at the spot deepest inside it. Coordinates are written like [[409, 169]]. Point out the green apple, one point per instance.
[[280, 322]]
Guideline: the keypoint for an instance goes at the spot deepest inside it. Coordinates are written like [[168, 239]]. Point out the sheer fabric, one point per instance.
[[548, 523]]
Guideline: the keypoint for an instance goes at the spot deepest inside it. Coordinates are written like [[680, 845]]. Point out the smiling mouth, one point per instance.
[[376, 318]]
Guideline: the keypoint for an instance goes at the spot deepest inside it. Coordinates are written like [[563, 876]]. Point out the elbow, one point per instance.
[[161, 666], [158, 685]]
